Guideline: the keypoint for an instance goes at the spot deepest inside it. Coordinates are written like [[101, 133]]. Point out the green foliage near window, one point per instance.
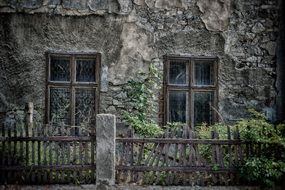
[[204, 131], [142, 127], [140, 94], [269, 166], [265, 168], [258, 129], [262, 170]]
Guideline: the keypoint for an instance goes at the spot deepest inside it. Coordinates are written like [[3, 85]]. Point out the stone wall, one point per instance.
[[280, 65], [250, 43], [122, 187], [132, 34]]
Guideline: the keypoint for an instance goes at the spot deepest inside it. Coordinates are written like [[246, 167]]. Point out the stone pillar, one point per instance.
[[105, 149]]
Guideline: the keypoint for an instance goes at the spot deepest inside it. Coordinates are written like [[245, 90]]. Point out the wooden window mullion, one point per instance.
[[97, 70], [165, 92], [47, 104], [191, 108], [216, 90], [72, 89], [98, 84]]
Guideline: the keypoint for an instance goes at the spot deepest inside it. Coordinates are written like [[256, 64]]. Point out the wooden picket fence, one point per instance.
[[50, 154], [57, 154], [33, 157], [179, 157]]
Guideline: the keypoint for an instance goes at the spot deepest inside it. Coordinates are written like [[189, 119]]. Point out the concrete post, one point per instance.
[[105, 149]]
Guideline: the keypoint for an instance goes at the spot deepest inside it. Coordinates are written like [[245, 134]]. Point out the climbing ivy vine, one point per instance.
[[141, 96]]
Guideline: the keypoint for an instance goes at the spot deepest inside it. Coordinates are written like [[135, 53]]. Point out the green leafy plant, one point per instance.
[[258, 129], [264, 168], [140, 96], [205, 132], [269, 165]]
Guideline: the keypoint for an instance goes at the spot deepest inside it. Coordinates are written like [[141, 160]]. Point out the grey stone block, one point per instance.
[[104, 79], [70, 4], [105, 149]]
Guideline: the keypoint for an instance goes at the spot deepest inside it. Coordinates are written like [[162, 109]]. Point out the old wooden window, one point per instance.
[[72, 88], [190, 90]]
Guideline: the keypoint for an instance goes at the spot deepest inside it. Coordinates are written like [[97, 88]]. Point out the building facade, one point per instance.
[[73, 58]]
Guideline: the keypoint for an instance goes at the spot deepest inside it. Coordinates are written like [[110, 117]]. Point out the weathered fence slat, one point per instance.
[[45, 153], [35, 154], [74, 159], [180, 158], [47, 138], [180, 141], [3, 176], [176, 168]]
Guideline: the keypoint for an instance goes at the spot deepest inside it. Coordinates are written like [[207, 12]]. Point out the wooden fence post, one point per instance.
[[30, 112], [105, 149]]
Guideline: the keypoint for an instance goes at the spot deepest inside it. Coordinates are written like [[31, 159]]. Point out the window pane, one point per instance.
[[204, 73], [60, 105], [84, 107], [177, 106], [59, 69], [85, 70], [202, 108], [178, 73]]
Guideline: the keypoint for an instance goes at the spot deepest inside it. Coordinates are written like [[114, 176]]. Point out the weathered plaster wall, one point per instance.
[[281, 65], [26, 38], [132, 34], [251, 46]]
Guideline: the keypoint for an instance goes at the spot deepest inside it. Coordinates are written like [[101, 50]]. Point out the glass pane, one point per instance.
[[177, 106], [60, 105], [59, 69], [85, 70], [84, 108], [202, 107], [178, 73], [204, 73]]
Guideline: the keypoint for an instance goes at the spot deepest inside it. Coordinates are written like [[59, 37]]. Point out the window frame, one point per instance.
[[190, 86], [72, 84]]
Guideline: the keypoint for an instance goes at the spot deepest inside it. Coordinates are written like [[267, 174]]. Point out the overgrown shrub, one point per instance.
[[269, 165], [262, 170]]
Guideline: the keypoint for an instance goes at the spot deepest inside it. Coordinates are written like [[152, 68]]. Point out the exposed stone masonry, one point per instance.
[[132, 34]]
